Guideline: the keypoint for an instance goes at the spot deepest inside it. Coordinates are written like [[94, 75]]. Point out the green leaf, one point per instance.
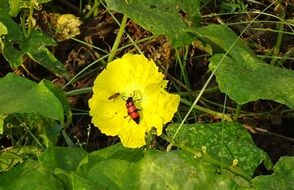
[[116, 151], [45, 58], [66, 158], [282, 178], [20, 95], [30, 175], [171, 17], [224, 142], [254, 81], [73, 181], [224, 38], [243, 76], [167, 170], [122, 168]]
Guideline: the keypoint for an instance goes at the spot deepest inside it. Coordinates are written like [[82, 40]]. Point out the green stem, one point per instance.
[[276, 48], [217, 104], [118, 38], [208, 158], [80, 7], [183, 68], [237, 113], [129, 37], [80, 91], [23, 23], [196, 92], [205, 110], [93, 9], [178, 82], [30, 19]]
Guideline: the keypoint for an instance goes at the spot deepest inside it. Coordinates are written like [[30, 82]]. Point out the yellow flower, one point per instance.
[[137, 77]]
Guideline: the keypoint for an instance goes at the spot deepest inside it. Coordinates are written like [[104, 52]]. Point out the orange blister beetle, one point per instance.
[[132, 110]]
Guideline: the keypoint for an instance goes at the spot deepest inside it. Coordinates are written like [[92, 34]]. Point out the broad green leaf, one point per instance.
[[45, 58], [16, 46], [242, 75], [171, 17], [224, 38], [66, 158], [30, 175], [116, 151], [20, 95], [250, 82], [224, 142], [167, 170], [114, 174], [155, 170], [282, 178], [37, 39], [73, 181]]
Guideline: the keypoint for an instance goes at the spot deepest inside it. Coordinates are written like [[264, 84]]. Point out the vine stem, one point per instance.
[[182, 66], [277, 46], [205, 110], [93, 9], [237, 113], [28, 32], [118, 38], [208, 158], [79, 91]]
